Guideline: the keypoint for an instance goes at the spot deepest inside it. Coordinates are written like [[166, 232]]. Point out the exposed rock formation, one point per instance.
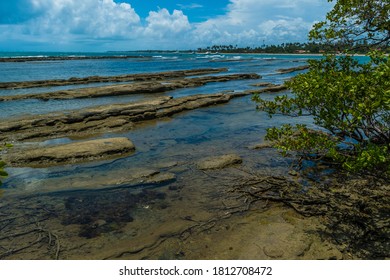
[[293, 69], [115, 117], [264, 84], [275, 88], [219, 162], [270, 89], [111, 79], [73, 152], [126, 89], [106, 118]]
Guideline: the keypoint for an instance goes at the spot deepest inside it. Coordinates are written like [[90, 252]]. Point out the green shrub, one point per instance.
[[349, 101]]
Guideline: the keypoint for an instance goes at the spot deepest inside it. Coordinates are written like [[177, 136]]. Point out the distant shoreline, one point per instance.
[[111, 55], [29, 58]]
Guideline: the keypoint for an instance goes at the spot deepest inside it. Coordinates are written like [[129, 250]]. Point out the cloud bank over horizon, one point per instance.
[[100, 25]]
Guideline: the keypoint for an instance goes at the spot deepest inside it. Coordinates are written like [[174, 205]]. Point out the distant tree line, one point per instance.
[[312, 47]]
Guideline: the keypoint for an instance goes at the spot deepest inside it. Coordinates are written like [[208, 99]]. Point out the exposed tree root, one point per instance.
[[356, 210], [42, 236], [32, 233]]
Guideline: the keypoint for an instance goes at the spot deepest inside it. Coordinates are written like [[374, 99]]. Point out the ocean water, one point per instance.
[[171, 145], [264, 65]]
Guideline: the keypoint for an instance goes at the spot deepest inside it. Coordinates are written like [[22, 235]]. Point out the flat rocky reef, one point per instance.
[[293, 69], [114, 117], [216, 207], [129, 89], [108, 118], [112, 79], [73, 153], [98, 120]]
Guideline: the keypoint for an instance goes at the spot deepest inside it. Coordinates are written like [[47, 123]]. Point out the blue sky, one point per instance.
[[196, 11], [101, 25]]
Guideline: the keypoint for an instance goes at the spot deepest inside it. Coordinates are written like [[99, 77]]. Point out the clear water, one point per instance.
[[168, 145]]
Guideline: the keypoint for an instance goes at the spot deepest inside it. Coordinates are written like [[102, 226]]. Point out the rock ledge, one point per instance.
[[218, 162], [73, 152]]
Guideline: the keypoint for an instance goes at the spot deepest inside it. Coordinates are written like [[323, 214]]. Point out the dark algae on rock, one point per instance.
[[103, 212]]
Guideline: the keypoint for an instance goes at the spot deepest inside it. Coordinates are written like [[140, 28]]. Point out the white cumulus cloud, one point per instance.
[[285, 28], [98, 19], [162, 24], [252, 22], [115, 24]]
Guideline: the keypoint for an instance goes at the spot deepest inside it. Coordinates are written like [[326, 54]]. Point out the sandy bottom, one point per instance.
[[196, 217], [274, 234]]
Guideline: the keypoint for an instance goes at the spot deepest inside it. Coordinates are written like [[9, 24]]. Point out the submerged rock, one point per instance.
[[219, 162], [103, 212], [72, 153], [161, 178], [141, 177], [260, 146]]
